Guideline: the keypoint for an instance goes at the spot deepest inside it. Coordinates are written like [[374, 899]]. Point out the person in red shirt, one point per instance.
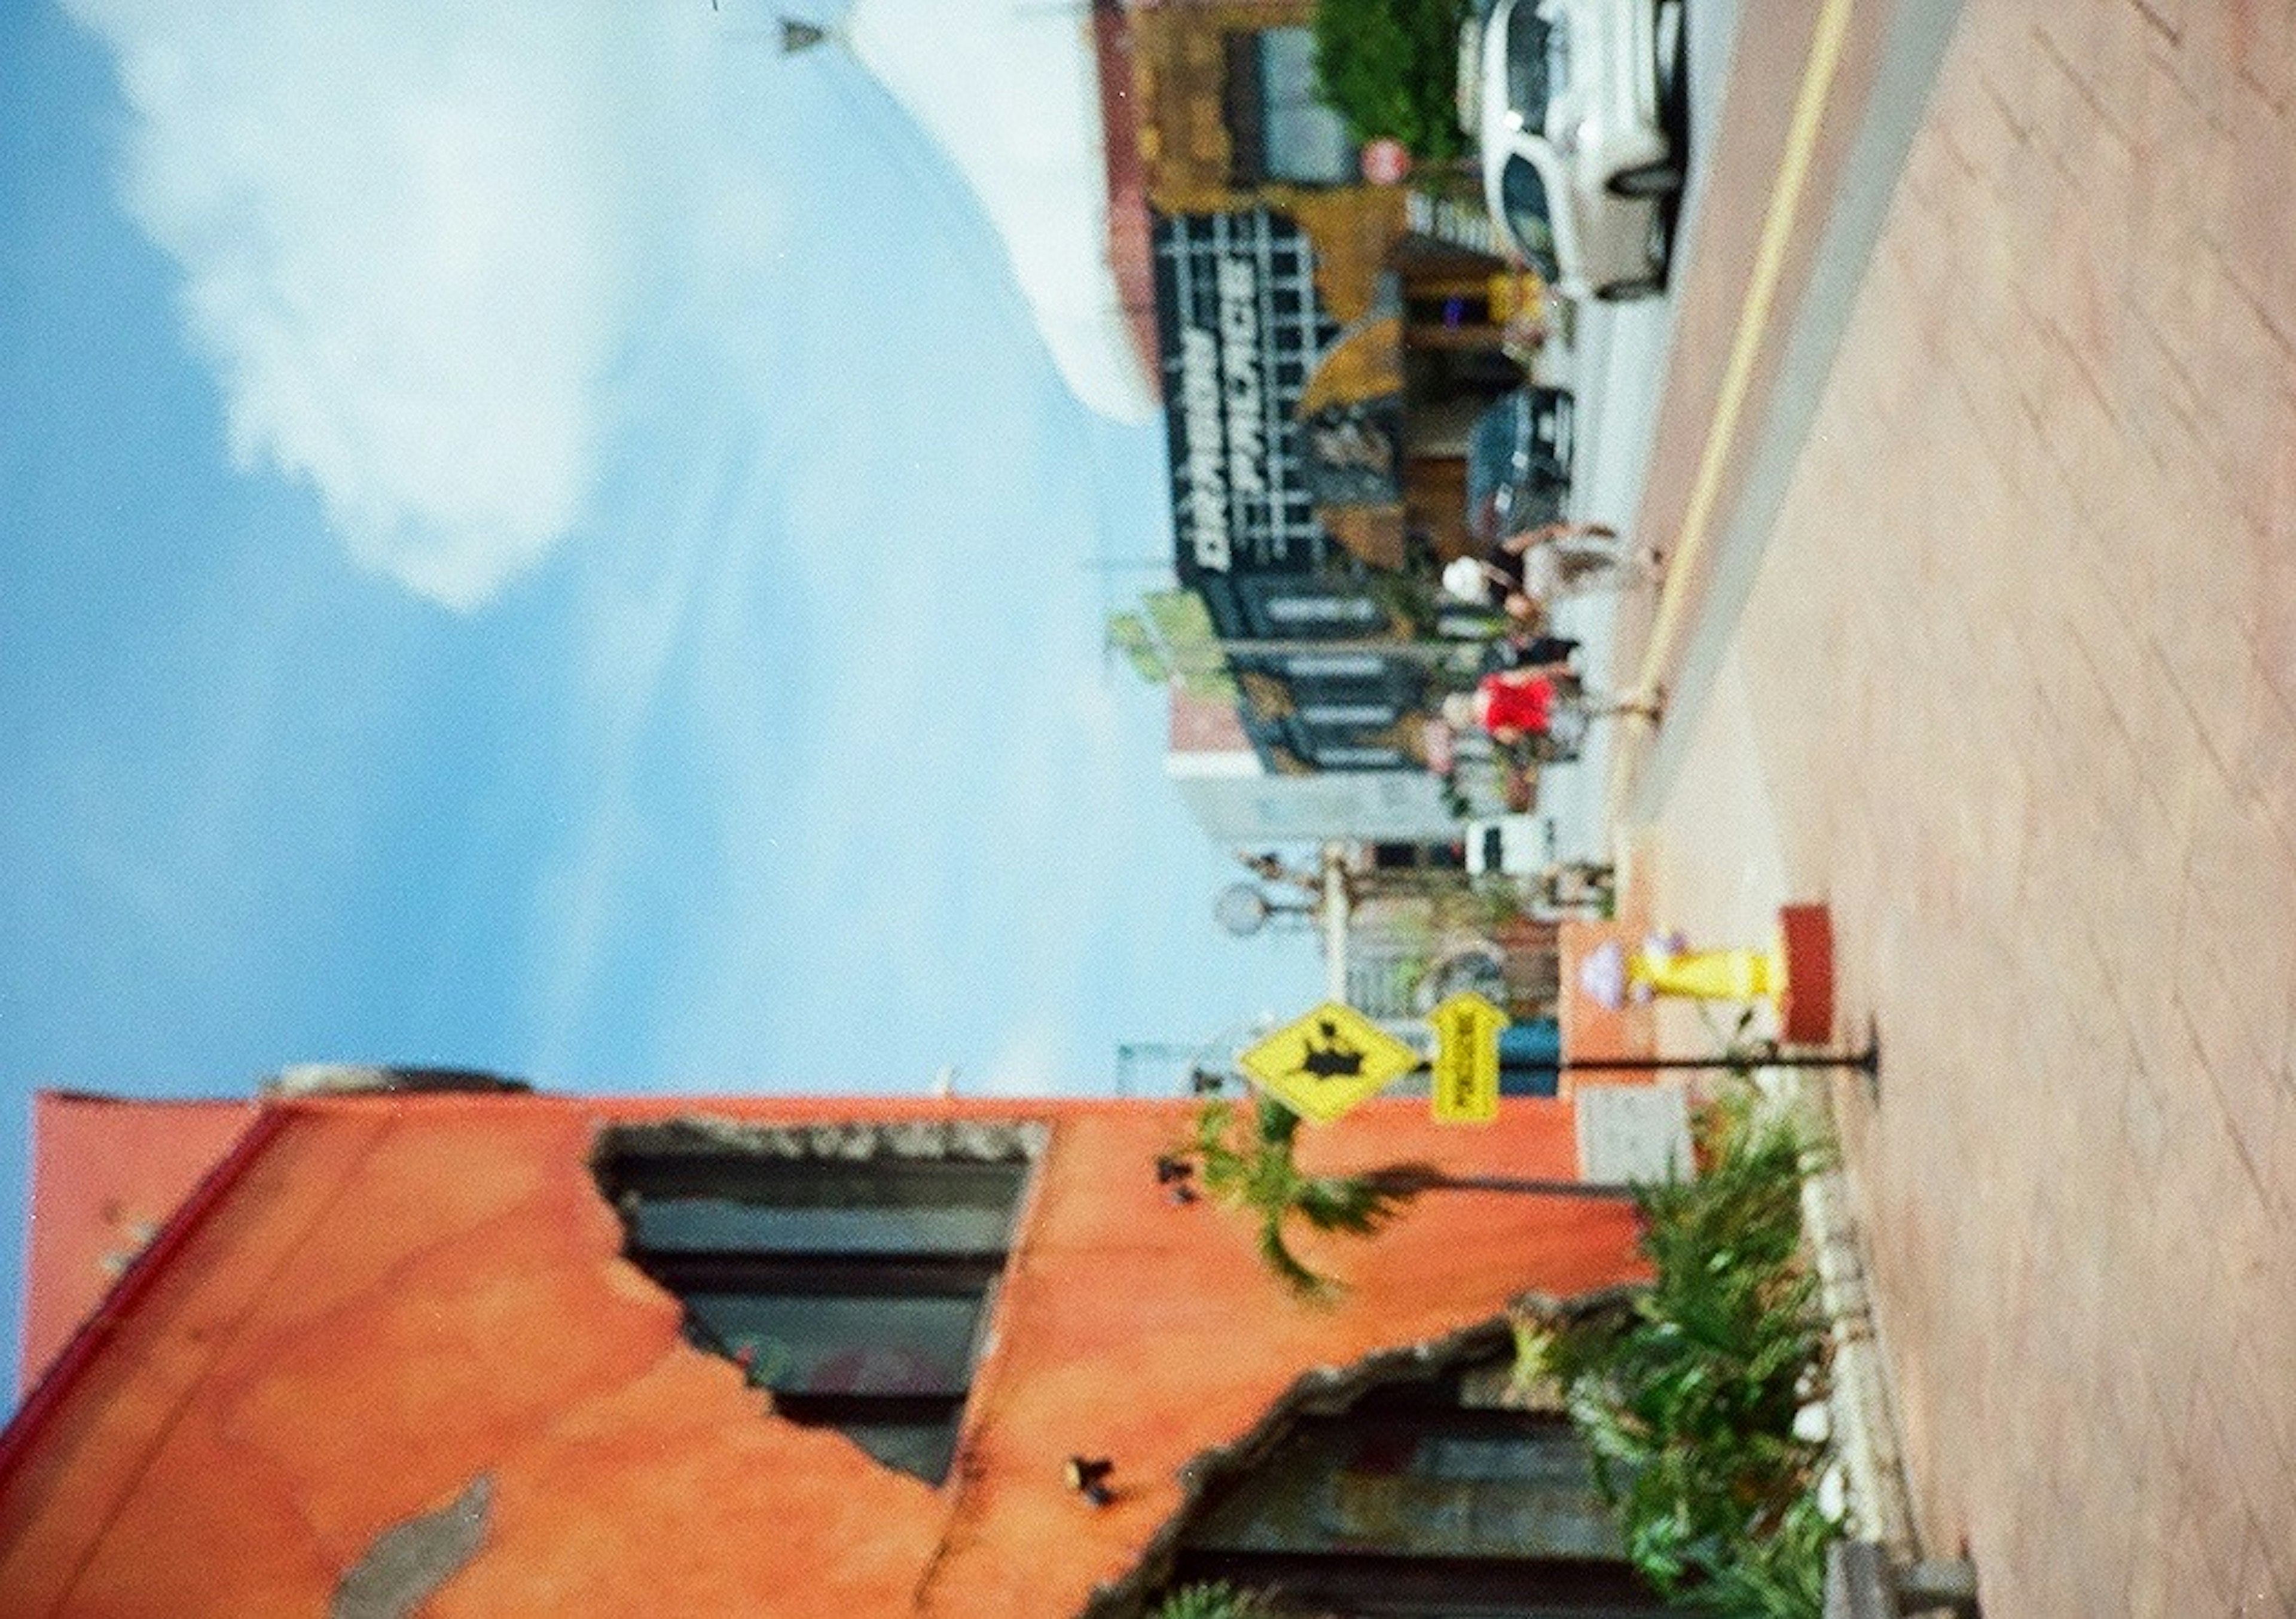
[[1517, 705], [1514, 703]]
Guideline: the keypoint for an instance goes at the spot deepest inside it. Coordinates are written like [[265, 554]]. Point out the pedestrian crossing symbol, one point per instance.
[[1324, 1063]]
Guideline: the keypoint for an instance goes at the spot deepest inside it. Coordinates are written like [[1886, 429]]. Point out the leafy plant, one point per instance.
[[1218, 1600], [1250, 1165], [1390, 68], [1687, 1403], [1253, 1169]]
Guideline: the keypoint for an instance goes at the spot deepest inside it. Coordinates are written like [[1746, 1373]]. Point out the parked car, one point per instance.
[[1575, 104], [1518, 463]]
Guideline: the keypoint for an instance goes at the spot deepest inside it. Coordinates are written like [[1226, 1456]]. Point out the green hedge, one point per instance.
[[1688, 1403]]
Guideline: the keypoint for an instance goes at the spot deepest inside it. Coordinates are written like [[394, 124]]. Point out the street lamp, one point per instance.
[[1243, 908]]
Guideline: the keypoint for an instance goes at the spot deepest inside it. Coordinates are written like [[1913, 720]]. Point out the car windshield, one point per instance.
[[1531, 45], [1493, 443], [1514, 480], [1524, 197]]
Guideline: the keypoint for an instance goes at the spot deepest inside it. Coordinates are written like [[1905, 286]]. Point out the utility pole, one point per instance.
[[1335, 912]]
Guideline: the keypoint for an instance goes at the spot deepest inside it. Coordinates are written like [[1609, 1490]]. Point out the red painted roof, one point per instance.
[[378, 1299], [106, 1174], [1203, 724]]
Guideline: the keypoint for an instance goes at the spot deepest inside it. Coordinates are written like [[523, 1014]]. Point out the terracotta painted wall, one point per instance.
[[401, 1295], [106, 1175]]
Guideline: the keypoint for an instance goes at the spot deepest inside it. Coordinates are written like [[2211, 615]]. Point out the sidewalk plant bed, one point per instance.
[[1689, 1396]]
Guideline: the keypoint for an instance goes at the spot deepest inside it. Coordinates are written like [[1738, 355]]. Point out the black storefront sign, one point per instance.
[[1240, 332]]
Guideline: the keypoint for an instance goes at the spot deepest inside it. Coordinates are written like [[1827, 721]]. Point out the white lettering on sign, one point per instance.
[[1199, 405], [1224, 407], [1239, 315]]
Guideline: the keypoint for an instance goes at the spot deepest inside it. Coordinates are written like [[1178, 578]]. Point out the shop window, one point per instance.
[[1420, 1501], [854, 1288], [1340, 610], [1279, 129], [1341, 715], [1335, 665], [1358, 759]]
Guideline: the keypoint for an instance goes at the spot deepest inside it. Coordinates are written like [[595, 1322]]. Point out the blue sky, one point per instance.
[[552, 542]]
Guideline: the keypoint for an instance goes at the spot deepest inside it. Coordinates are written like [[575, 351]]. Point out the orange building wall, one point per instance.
[[399, 1295], [1591, 1029], [106, 1175], [1179, 68]]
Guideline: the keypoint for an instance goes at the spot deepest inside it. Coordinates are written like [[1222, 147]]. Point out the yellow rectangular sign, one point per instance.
[[1466, 1089]]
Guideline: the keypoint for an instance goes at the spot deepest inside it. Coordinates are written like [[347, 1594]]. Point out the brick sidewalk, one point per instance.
[[2021, 667]]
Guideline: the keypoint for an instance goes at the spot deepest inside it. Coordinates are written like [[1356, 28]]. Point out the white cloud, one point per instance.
[[1009, 88], [1033, 1062], [411, 235]]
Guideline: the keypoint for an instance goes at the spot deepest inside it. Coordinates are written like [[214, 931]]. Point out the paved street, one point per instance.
[[2003, 664]]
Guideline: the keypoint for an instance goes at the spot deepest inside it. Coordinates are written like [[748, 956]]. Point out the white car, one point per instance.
[[1571, 101], [1529, 849]]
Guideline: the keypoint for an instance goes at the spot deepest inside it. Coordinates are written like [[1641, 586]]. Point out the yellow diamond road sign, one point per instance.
[[1466, 1089], [1326, 1063]]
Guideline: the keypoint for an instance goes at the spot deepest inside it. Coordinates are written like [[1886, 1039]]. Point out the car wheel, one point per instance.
[[1660, 179], [1629, 290]]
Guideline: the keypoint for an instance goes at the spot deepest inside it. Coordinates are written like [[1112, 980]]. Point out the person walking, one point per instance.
[[1558, 560], [1534, 569], [1517, 706]]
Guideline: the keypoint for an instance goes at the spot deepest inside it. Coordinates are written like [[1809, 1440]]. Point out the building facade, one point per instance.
[[485, 1354], [1322, 353]]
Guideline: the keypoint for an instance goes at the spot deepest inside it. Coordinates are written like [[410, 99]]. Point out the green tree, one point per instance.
[[1251, 1165], [1390, 68]]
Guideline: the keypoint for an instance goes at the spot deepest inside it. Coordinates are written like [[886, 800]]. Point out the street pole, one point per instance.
[[1335, 925], [1867, 1061], [1415, 651]]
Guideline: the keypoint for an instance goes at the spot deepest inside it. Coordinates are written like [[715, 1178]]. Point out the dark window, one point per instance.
[[1537, 63], [853, 1289], [1421, 1502], [1279, 129], [1309, 613], [1528, 214]]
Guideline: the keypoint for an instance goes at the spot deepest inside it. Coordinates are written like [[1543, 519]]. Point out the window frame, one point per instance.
[[739, 1165], [1473, 1399], [1245, 109]]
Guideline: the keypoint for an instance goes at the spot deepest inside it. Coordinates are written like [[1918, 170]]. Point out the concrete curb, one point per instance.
[[1861, 1406]]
